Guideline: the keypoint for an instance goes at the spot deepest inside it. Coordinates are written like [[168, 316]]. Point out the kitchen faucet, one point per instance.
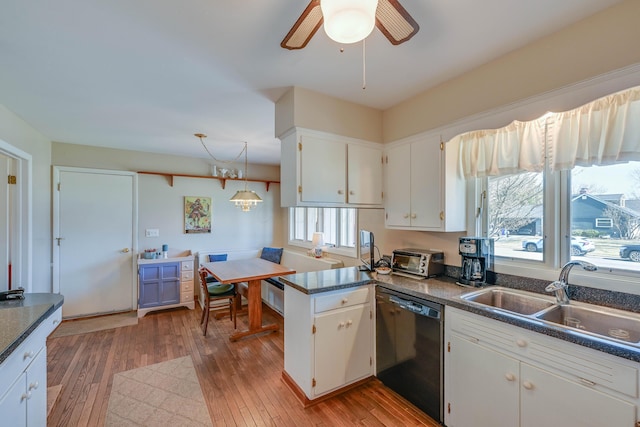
[[561, 286]]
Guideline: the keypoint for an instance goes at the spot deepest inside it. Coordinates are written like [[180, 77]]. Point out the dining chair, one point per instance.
[[214, 291]]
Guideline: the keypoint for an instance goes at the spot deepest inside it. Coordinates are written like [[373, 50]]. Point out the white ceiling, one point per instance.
[[147, 74]]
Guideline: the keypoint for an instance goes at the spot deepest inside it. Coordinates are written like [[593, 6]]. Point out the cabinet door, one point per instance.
[[13, 405], [364, 175], [37, 390], [323, 169], [397, 186], [482, 387], [342, 348], [159, 284], [549, 400], [426, 184]]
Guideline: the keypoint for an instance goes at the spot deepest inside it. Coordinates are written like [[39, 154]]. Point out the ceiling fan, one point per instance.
[[390, 18]]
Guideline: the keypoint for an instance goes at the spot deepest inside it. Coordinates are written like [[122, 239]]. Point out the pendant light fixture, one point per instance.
[[244, 199], [348, 21]]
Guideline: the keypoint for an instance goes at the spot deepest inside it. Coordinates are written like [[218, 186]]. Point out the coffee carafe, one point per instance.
[[477, 261]]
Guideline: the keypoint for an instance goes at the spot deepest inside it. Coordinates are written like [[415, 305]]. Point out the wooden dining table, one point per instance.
[[252, 271]]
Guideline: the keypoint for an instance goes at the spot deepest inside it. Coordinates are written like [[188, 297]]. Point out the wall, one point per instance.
[[160, 206], [312, 110], [18, 133], [601, 43]]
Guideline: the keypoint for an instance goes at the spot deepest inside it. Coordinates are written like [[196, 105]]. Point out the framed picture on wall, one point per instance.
[[197, 214]]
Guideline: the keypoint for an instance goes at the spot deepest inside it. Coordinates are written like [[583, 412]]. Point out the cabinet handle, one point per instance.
[[351, 193], [340, 325], [413, 216], [345, 300], [527, 385], [349, 322], [25, 396], [510, 377], [28, 354], [56, 321], [587, 382], [521, 343], [340, 192], [34, 386], [405, 216]]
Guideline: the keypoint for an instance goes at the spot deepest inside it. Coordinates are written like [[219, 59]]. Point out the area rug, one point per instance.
[[164, 394], [93, 324]]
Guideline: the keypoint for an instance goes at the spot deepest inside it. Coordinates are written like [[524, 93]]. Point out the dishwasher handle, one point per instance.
[[415, 307]]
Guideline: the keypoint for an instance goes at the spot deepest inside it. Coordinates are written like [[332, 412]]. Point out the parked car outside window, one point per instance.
[[579, 246], [630, 251]]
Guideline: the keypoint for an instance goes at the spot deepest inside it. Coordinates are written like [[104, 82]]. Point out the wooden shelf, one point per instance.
[[223, 181]]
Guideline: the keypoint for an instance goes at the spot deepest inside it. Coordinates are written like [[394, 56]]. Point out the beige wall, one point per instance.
[[604, 42], [16, 132], [312, 110], [160, 206]]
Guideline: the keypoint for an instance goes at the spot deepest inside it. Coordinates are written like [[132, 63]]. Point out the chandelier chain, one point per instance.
[[223, 161]]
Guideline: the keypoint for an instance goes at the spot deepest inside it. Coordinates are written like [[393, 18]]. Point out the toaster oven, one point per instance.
[[417, 262]]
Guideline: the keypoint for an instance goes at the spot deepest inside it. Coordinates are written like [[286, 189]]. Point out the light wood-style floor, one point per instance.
[[241, 381]]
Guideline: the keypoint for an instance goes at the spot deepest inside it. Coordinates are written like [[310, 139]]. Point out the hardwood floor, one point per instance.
[[241, 381]]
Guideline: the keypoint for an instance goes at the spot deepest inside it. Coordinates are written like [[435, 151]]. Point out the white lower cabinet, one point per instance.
[[328, 342], [23, 379], [500, 375]]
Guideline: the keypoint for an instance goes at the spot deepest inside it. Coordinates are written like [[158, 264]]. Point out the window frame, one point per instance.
[[338, 249]]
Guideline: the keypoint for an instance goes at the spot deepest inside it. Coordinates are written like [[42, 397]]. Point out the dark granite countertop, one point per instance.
[[327, 280], [21, 317], [444, 290]]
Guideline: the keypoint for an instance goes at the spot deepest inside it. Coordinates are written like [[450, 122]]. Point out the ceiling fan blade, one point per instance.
[[304, 28], [395, 22]]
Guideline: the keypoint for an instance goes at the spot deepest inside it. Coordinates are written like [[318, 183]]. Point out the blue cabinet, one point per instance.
[[159, 284]]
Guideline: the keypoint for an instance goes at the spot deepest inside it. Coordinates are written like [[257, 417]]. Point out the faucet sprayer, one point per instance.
[[561, 285]]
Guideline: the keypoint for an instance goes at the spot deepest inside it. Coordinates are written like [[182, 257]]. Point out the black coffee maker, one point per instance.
[[477, 261]]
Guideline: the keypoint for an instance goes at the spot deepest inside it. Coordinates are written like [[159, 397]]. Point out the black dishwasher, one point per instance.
[[409, 349]]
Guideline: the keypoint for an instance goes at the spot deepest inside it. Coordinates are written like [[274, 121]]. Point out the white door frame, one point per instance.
[[22, 218], [56, 224]]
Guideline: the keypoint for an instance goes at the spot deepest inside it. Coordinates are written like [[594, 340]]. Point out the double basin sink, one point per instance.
[[606, 323]]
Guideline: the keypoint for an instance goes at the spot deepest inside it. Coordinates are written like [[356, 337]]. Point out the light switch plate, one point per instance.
[[152, 232]]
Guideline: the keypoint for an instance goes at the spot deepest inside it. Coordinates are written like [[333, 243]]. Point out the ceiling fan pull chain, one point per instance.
[[364, 65]]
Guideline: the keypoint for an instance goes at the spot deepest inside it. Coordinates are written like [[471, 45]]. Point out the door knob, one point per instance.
[[125, 250]]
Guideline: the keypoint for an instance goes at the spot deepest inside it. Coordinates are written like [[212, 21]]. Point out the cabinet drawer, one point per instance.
[[186, 286], [186, 275], [187, 265], [186, 296], [342, 299]]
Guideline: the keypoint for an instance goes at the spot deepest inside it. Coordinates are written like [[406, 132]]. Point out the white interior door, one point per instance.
[[94, 240]]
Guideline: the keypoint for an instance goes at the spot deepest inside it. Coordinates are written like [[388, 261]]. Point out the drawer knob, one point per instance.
[[340, 192], [521, 343], [25, 396], [405, 216], [345, 300], [34, 385], [527, 385], [510, 377], [340, 325], [413, 216], [349, 322], [28, 354]]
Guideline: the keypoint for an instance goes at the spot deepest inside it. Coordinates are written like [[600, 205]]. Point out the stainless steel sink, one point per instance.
[[606, 322], [520, 302]]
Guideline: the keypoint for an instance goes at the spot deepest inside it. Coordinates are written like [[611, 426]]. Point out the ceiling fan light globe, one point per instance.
[[348, 21]]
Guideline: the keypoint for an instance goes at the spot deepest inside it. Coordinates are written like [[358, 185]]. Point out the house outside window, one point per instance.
[[338, 225]]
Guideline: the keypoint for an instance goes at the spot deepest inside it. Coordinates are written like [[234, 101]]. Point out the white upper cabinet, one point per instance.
[[423, 190], [320, 169]]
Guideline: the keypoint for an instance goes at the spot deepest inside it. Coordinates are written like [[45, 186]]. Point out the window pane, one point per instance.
[[330, 225], [297, 223], [515, 215], [605, 215], [348, 228], [312, 220]]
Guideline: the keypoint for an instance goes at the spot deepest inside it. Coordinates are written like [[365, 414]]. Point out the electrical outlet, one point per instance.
[[152, 232]]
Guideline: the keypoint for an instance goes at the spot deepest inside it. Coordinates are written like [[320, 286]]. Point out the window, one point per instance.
[[337, 224], [582, 205], [604, 223]]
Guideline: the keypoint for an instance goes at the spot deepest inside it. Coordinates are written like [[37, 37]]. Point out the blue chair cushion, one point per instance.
[[216, 289], [217, 257], [272, 254]]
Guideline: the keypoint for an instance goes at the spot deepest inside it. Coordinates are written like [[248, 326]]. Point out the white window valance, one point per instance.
[[604, 131]]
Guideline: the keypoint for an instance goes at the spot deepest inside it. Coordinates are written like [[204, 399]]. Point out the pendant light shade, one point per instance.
[[348, 21], [245, 199]]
